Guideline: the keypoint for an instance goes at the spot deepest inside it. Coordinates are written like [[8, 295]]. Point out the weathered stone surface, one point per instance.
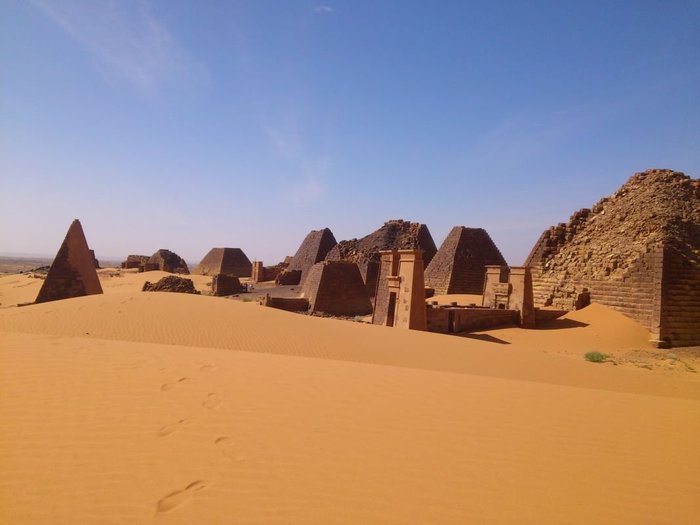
[[171, 283], [637, 251], [460, 264], [228, 261], [336, 288], [313, 249], [135, 261], [400, 299], [393, 235], [223, 284], [168, 261], [72, 273]]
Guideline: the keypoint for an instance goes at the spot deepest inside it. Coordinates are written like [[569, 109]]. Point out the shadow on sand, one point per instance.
[[483, 337], [560, 324]]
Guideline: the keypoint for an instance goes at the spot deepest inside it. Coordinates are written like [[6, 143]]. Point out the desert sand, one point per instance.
[[132, 407]]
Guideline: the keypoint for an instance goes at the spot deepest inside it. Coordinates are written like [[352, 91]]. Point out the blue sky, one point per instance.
[[188, 125]]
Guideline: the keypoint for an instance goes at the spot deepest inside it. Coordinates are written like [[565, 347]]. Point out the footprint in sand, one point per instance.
[[228, 448], [213, 401], [166, 430], [207, 368], [180, 497], [168, 386]]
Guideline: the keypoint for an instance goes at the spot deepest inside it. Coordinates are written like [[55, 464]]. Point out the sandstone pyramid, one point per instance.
[[167, 261], [393, 235], [313, 249], [72, 273], [460, 264], [336, 288], [637, 251], [229, 261]]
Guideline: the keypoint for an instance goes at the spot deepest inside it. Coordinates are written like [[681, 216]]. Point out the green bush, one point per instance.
[[595, 357]]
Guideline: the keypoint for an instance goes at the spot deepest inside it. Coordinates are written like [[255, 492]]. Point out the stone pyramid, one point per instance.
[[227, 261], [72, 273], [637, 251], [313, 249], [460, 264], [395, 234], [336, 288]]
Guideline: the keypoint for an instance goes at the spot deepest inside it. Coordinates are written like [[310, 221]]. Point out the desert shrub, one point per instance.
[[595, 357]]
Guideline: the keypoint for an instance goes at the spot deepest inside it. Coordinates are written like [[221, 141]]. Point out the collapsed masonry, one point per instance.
[[135, 261], [166, 261], [637, 251], [72, 272], [460, 264], [393, 235]]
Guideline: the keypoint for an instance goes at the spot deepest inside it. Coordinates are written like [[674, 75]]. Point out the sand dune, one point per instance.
[[133, 407]]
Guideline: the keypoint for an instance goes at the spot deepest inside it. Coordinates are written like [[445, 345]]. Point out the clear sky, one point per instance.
[[193, 124]]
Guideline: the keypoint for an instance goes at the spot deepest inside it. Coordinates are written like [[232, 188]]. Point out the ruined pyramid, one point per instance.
[[459, 266], [637, 251], [393, 235], [72, 273], [227, 261]]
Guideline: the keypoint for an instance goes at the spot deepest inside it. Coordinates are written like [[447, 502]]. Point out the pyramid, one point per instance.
[[72, 273], [167, 261], [336, 288], [228, 261], [313, 249], [393, 235], [460, 264], [636, 251]]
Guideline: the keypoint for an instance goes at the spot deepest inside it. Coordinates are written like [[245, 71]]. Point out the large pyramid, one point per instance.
[[459, 266], [393, 235], [72, 273], [637, 251], [228, 261], [313, 249]]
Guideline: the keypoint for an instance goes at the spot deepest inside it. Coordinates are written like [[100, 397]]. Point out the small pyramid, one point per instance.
[[313, 249], [72, 273], [459, 266], [227, 261]]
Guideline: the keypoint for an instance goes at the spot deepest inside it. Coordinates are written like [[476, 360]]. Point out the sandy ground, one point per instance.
[[133, 407]]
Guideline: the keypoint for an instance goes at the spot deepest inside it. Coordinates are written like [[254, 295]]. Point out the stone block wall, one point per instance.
[[456, 320]]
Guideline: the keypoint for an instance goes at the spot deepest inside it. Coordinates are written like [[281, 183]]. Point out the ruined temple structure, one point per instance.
[[166, 261], [510, 289], [134, 261], [459, 265], [637, 251], [336, 288], [72, 273], [312, 250], [400, 299], [260, 273], [228, 261], [393, 235]]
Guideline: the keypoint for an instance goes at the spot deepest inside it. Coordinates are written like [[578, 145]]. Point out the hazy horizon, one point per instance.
[[164, 124]]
